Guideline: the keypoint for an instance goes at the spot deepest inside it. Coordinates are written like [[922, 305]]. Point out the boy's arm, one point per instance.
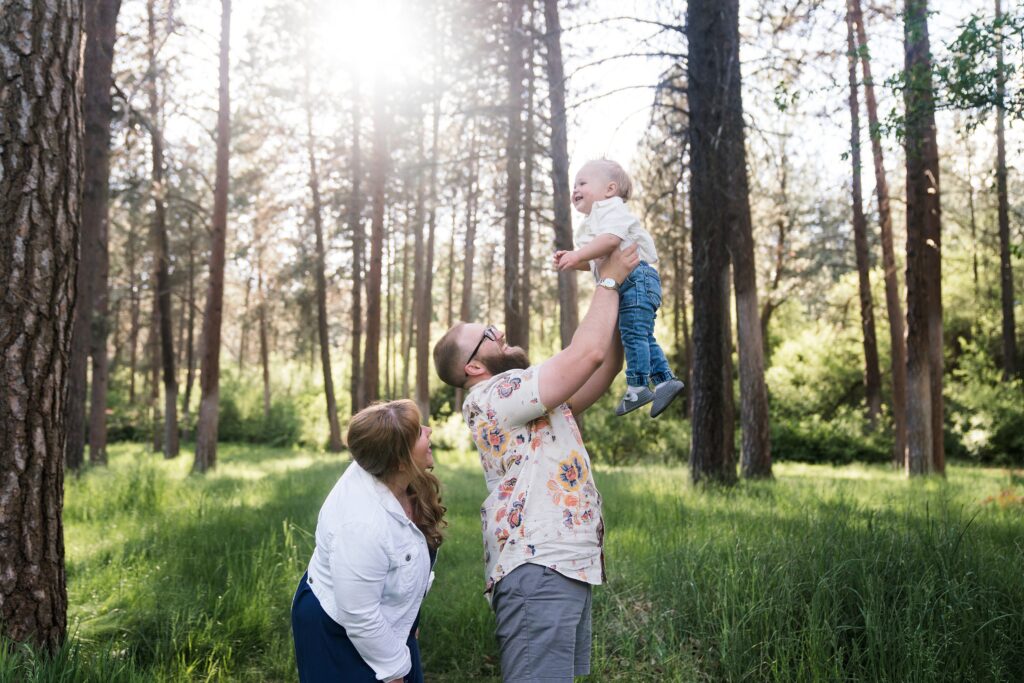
[[602, 245]]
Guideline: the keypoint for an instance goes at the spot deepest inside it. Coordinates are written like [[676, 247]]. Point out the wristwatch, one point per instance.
[[608, 282]]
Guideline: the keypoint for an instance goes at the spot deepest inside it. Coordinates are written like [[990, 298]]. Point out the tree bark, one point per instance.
[[153, 357], [872, 375], [424, 295], [567, 296], [41, 165], [190, 323], [261, 294], [209, 381], [334, 443], [756, 460], [469, 248], [924, 294], [378, 178], [710, 31], [355, 223], [161, 250], [515, 331], [136, 311], [91, 302], [894, 311], [1005, 263], [525, 283]]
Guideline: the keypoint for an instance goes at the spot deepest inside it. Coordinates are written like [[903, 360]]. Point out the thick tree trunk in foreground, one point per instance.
[[209, 381], [924, 294], [567, 304], [41, 162], [161, 250], [710, 34], [1005, 264], [872, 375]]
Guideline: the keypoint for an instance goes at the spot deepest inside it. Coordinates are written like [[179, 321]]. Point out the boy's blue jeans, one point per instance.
[[639, 300]]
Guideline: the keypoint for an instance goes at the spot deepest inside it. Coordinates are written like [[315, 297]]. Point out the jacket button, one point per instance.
[[408, 557]]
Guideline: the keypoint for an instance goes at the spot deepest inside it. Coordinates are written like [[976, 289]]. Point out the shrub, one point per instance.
[[842, 439], [985, 413]]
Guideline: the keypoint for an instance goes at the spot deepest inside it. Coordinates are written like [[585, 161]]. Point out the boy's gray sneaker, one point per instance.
[[664, 394], [633, 399]]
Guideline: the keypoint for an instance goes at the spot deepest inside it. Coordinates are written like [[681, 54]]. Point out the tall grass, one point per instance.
[[825, 574]]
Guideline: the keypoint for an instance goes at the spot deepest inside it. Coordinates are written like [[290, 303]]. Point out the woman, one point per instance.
[[355, 612]]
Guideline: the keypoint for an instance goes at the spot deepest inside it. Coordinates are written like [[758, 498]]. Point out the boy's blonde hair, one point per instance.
[[615, 174]]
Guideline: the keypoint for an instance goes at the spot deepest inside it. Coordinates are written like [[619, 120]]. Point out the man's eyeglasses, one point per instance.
[[490, 332]]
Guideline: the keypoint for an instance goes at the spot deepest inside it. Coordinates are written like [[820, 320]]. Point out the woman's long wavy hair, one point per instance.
[[381, 438]]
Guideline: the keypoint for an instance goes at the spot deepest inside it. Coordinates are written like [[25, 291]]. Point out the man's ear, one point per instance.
[[474, 369]]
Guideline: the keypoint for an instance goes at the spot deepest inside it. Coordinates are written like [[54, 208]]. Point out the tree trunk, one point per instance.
[[924, 294], [389, 331], [469, 248], [567, 304], [190, 323], [355, 224], [100, 21], [515, 332], [782, 227], [408, 316], [711, 29], [136, 311], [334, 441], [161, 250], [894, 310], [872, 375], [525, 283], [424, 295], [261, 294], [153, 357], [41, 164], [728, 376], [209, 382], [756, 457], [1005, 247], [378, 177], [243, 332]]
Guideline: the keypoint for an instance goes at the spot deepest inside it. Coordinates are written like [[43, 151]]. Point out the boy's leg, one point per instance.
[[543, 619], [667, 387], [638, 360]]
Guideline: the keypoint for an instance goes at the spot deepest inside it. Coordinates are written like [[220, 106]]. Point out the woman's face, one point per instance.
[[421, 452]]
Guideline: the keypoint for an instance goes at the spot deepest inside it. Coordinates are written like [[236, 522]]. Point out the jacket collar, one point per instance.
[[379, 491]]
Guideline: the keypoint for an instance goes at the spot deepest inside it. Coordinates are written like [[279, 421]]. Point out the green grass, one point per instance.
[[826, 574]]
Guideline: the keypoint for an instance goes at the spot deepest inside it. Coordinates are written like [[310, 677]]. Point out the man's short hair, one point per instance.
[[616, 174], [448, 361]]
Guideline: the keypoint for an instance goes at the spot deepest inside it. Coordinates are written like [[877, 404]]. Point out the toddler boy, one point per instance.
[[599, 193]]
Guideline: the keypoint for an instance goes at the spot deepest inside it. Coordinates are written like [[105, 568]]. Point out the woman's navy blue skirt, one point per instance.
[[323, 651]]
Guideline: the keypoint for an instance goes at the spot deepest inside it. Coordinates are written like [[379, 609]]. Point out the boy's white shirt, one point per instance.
[[610, 216]]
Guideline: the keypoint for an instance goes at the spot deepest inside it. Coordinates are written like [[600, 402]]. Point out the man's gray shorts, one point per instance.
[[544, 627]]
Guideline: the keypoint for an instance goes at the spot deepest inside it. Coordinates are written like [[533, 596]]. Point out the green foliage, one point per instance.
[[840, 440], [635, 437], [815, 372], [986, 413], [825, 573], [969, 73]]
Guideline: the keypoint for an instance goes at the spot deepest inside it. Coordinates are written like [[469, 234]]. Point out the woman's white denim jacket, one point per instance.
[[370, 569]]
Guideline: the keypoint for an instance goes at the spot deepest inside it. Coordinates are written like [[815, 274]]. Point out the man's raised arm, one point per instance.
[[568, 370]]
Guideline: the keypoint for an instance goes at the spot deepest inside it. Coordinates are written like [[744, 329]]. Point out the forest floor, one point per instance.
[[825, 573]]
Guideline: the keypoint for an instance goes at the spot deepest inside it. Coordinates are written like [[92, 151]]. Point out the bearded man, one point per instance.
[[542, 526]]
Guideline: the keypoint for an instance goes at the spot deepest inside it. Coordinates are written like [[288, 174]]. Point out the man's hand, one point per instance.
[[620, 263], [566, 260]]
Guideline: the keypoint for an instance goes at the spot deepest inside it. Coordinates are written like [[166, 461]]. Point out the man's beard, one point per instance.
[[511, 358]]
